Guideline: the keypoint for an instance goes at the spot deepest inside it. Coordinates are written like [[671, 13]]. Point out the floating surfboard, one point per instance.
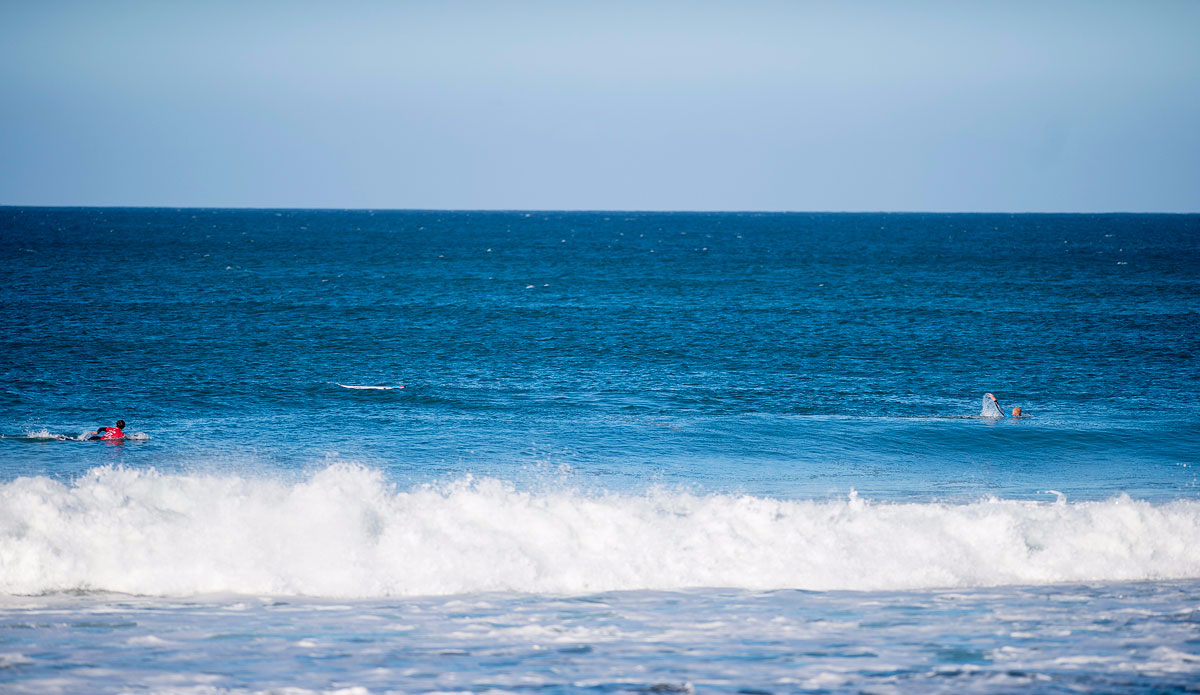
[[368, 388]]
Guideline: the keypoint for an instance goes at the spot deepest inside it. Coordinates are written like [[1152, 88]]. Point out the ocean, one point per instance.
[[598, 452]]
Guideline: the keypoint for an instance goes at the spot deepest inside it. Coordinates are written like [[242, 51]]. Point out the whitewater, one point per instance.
[[346, 532]]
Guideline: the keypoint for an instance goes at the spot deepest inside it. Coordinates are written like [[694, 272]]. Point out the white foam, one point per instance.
[[42, 434], [344, 531], [48, 435], [14, 659]]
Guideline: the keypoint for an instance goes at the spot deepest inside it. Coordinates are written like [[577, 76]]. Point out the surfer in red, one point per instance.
[[117, 432]]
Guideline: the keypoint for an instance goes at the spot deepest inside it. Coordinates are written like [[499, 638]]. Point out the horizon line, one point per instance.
[[252, 208]]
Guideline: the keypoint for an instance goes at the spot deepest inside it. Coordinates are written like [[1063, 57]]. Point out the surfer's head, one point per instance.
[[120, 424], [1016, 412]]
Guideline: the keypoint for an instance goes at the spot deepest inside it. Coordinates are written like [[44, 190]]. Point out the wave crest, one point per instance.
[[344, 531]]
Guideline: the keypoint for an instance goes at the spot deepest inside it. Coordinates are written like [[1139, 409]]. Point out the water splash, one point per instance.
[[990, 407]]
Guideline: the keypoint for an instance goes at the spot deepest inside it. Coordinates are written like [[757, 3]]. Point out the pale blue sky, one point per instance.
[[939, 106]]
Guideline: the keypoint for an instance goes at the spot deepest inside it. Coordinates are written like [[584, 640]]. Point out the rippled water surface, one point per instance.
[[598, 452]]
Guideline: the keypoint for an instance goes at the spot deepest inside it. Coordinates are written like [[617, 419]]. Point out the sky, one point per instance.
[[803, 106]]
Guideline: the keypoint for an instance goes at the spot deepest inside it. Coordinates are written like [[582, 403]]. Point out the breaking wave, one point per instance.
[[345, 531]]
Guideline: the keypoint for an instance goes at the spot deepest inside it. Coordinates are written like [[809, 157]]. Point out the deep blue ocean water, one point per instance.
[[603, 452]]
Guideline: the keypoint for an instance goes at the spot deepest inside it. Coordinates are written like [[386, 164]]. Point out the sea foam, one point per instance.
[[345, 531]]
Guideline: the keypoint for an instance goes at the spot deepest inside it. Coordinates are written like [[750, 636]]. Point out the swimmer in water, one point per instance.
[[991, 406], [109, 432], [996, 411]]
